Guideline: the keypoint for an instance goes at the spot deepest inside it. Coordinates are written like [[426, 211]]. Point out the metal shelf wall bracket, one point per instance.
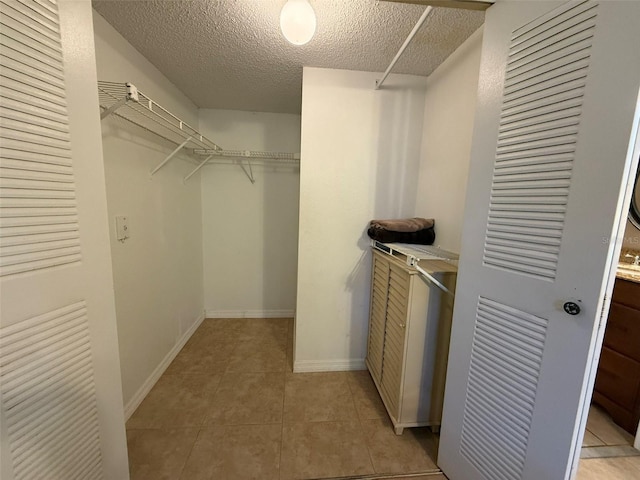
[[249, 173], [171, 155], [131, 94], [195, 170]]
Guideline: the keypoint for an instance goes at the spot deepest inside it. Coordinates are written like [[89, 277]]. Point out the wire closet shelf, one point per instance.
[[125, 101]]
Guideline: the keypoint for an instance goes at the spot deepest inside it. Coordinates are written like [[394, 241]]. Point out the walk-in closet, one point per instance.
[[319, 239]]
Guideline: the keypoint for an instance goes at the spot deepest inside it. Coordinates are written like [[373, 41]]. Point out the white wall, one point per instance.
[[360, 158], [250, 231], [446, 145], [158, 271]]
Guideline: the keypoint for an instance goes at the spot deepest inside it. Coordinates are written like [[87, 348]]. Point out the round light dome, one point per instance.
[[298, 21]]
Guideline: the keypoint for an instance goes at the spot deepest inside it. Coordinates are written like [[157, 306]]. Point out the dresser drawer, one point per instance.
[[618, 378], [627, 293], [623, 331]]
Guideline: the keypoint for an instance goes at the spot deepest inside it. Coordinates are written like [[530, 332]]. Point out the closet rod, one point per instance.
[[251, 154], [461, 4], [404, 46], [226, 160]]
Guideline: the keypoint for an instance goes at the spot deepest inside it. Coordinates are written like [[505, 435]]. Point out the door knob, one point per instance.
[[571, 308]]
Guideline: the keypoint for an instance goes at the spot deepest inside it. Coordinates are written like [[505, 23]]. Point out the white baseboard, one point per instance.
[[329, 365], [146, 387], [250, 313]]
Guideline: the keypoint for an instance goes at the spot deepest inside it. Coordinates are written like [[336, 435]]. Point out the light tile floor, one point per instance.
[[620, 468], [605, 439], [230, 408], [601, 430]]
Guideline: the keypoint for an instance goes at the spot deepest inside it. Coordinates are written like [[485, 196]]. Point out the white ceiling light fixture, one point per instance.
[[298, 21]]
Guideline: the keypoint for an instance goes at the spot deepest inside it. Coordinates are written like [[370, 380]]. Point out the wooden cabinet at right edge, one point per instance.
[[617, 387], [408, 345]]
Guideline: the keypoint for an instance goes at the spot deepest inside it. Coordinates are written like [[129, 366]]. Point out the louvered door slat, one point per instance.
[[394, 307], [24, 85], [379, 294], [40, 10], [393, 355], [50, 6], [537, 113], [33, 18], [29, 55], [24, 175], [48, 394], [394, 346], [18, 60], [558, 60], [37, 239], [27, 141], [541, 222], [35, 399], [506, 340], [512, 172], [36, 107], [546, 74], [17, 217], [28, 126], [32, 159], [11, 166], [22, 79], [57, 427], [29, 25], [31, 404]]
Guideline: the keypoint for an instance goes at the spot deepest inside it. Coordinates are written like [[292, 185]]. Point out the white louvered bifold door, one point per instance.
[[552, 150], [56, 294]]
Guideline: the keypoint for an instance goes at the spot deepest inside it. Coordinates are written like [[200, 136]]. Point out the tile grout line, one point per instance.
[[284, 393], [184, 465], [593, 433], [235, 346], [611, 451], [355, 408], [596, 411], [233, 341], [204, 418]]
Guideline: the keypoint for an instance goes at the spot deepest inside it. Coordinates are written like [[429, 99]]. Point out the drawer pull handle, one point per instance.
[[402, 325]]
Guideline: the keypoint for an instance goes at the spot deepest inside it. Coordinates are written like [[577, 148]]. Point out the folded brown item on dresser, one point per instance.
[[403, 225], [426, 236]]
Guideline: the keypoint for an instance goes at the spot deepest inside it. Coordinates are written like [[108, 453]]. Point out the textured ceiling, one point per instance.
[[230, 54]]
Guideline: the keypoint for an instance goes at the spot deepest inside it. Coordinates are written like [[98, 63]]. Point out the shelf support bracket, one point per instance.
[[202, 164], [430, 278], [171, 155], [132, 94], [248, 173], [105, 113]]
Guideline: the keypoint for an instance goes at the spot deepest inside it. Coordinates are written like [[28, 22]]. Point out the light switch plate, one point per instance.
[[122, 227]]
